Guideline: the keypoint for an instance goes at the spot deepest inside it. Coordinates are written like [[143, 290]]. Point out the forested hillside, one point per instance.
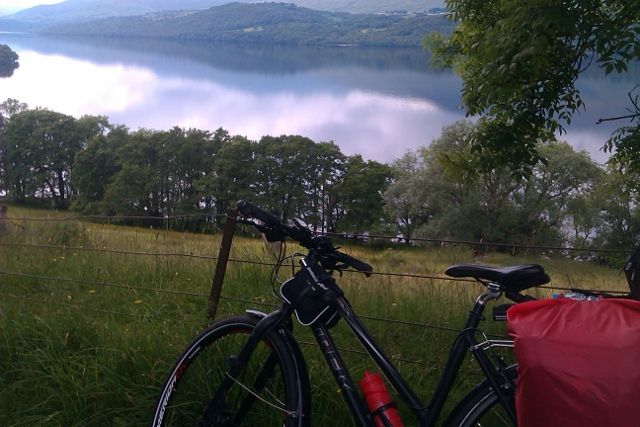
[[80, 10], [279, 23], [77, 10]]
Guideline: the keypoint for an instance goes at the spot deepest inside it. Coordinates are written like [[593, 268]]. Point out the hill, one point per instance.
[[83, 10], [75, 10], [278, 23]]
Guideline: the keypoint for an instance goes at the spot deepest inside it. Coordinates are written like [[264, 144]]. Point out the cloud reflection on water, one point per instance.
[[378, 126], [372, 104]]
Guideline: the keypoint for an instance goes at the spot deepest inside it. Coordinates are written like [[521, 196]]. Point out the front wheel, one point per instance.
[[199, 391], [481, 408]]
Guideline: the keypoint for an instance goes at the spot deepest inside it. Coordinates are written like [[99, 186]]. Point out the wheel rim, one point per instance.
[[488, 412], [247, 402]]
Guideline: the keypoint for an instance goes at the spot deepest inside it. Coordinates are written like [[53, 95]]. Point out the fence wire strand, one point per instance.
[[345, 235], [212, 258], [202, 294], [253, 302]]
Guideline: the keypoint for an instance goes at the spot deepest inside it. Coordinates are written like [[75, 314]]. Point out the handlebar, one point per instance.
[[250, 210], [274, 230]]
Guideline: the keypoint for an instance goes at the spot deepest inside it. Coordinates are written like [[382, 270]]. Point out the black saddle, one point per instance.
[[514, 278]]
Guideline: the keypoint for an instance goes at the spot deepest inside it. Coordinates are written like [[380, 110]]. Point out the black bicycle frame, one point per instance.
[[427, 415]]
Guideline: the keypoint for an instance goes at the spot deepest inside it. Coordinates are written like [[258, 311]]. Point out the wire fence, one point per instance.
[[347, 236], [261, 263], [48, 279]]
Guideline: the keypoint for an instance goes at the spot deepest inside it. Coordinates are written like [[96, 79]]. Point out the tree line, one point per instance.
[[438, 191], [95, 167], [567, 199]]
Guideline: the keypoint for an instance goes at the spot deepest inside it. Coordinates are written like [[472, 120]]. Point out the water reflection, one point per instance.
[[374, 102], [379, 110]]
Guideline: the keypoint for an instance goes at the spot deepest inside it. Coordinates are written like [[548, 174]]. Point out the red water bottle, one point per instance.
[[383, 410]]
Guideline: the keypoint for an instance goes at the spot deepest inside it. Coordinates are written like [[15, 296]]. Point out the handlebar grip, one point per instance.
[[250, 210], [361, 266]]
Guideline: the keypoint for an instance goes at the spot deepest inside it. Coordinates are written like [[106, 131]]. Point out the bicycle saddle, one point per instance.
[[514, 278]]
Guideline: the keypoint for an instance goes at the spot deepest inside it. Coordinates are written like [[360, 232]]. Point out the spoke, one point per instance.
[[491, 420], [260, 398]]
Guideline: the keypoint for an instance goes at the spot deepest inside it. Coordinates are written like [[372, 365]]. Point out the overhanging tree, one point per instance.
[[519, 62]]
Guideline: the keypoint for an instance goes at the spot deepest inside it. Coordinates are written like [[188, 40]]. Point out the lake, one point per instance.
[[369, 101]]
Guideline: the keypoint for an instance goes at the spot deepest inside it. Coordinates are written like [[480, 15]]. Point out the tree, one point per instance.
[[39, 147], [401, 201], [443, 193], [294, 176], [519, 62], [192, 155], [359, 193], [8, 61], [233, 174], [8, 108], [94, 168], [617, 221], [323, 172]]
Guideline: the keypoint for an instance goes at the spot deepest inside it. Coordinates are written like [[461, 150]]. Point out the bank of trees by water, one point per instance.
[[8, 61], [439, 191]]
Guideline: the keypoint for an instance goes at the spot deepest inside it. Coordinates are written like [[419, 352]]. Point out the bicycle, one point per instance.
[[249, 369]]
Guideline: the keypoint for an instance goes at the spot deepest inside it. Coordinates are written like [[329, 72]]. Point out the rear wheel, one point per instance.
[[267, 392], [481, 408]]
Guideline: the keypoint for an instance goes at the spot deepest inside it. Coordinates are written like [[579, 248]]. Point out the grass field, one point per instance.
[[92, 315]]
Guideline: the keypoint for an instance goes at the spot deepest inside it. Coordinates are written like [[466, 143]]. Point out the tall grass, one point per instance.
[[87, 353]]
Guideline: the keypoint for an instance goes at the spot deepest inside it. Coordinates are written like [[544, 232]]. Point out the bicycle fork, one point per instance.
[[215, 409]]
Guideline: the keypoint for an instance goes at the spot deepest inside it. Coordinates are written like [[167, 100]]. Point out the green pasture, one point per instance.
[[92, 315]]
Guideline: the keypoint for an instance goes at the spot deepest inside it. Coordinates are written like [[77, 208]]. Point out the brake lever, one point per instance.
[[352, 262], [270, 233]]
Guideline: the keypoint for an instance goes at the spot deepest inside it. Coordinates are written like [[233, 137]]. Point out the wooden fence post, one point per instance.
[[221, 266]]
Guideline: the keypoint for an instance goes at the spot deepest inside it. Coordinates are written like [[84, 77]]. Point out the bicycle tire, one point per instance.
[[481, 408], [192, 381]]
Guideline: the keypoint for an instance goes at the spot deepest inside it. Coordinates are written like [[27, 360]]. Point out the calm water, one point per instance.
[[375, 102]]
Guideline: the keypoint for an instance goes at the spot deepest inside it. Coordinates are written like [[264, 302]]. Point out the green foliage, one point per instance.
[[401, 201], [444, 190], [98, 168], [93, 9], [618, 218], [361, 191], [90, 181], [268, 23], [444, 193], [7, 109], [8, 61], [296, 176], [233, 173], [39, 147], [519, 62]]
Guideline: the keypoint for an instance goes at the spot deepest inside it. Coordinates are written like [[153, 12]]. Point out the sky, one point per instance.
[[12, 6]]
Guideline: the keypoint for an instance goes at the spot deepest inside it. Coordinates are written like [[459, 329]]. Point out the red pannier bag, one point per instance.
[[578, 362]]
